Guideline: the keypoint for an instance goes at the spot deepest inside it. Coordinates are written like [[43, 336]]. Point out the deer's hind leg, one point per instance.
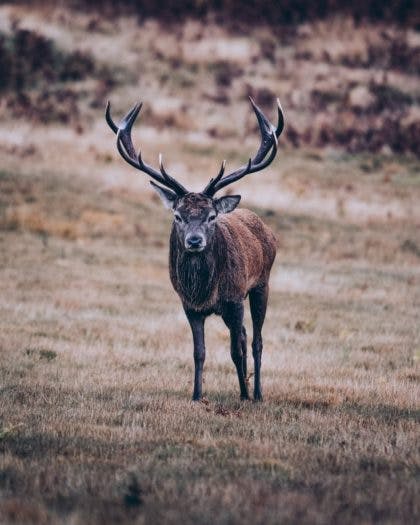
[[244, 351], [258, 298], [233, 316]]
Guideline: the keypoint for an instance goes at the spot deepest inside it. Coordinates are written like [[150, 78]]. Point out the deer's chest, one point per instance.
[[194, 278]]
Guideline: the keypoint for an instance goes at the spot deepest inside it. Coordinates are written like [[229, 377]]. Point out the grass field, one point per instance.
[[96, 419], [96, 367]]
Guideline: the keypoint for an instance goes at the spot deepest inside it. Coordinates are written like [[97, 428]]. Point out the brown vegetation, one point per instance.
[[344, 85]]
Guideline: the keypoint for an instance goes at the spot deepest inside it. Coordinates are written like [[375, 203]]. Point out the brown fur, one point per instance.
[[239, 258]]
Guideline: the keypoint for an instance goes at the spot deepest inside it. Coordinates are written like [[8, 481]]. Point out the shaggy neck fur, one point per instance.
[[194, 274]]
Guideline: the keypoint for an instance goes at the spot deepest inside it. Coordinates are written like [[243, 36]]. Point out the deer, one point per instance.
[[218, 254]]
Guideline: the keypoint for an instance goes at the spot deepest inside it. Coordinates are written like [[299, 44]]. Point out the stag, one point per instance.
[[218, 254]]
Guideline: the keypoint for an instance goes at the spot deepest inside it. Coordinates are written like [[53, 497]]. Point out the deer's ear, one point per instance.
[[227, 204], [168, 197]]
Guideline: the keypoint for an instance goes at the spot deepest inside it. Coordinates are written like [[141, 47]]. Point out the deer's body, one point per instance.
[[239, 259], [218, 255]]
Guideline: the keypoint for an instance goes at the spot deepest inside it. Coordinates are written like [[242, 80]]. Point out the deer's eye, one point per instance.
[[178, 217], [211, 217]]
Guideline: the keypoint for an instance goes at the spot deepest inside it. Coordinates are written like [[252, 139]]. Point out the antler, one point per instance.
[[268, 146], [128, 153]]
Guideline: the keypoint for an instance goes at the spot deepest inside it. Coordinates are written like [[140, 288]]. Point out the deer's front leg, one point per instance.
[[196, 321]]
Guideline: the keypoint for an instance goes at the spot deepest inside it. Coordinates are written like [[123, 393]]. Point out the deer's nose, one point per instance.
[[194, 241]]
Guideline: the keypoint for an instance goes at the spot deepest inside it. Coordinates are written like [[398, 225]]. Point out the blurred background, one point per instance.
[[93, 340], [347, 74]]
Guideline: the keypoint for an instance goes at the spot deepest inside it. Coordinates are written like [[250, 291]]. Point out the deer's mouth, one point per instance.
[[195, 249]]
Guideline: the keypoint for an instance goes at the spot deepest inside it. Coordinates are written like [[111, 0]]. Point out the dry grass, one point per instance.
[[96, 422]]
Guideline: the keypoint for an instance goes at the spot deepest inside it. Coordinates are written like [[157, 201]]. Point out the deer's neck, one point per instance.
[[194, 276]]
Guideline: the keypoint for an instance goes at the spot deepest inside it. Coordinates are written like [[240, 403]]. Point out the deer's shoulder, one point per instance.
[[245, 222]]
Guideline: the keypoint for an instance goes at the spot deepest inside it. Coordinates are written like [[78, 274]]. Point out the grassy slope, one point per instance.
[[96, 424]]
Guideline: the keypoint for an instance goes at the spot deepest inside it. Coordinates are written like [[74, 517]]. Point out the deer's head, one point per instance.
[[195, 214]]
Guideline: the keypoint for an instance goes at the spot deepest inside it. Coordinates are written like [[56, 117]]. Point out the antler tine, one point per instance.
[[128, 121], [162, 168], [266, 129], [128, 153], [215, 179], [268, 146], [280, 119], [111, 123], [170, 179], [124, 133]]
